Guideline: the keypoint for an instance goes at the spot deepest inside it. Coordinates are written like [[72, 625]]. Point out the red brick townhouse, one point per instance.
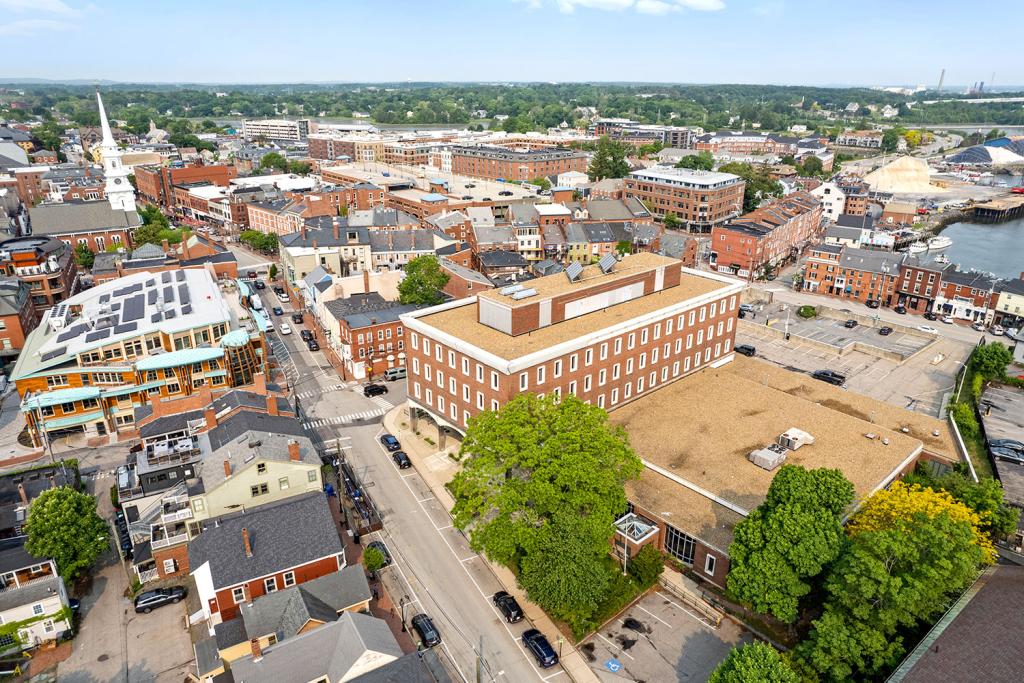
[[607, 335], [242, 556], [156, 183], [766, 237], [862, 275]]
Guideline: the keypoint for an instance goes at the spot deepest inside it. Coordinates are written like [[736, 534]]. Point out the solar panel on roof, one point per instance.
[[151, 297], [524, 293], [165, 277], [122, 292], [105, 298], [186, 309], [183, 293], [56, 352], [180, 275], [134, 309], [510, 290], [128, 327], [169, 314], [150, 283], [156, 317], [97, 335], [574, 271], [168, 295], [607, 263], [71, 333]]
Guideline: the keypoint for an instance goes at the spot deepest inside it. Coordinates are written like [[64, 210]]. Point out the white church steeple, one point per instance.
[[119, 191]]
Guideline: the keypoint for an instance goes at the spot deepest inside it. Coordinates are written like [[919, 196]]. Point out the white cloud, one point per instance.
[[641, 6], [39, 6], [31, 27]]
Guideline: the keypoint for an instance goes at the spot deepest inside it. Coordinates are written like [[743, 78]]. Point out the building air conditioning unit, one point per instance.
[[770, 457], [794, 438]]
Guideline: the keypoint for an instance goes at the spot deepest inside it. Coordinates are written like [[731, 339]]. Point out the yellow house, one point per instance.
[[1010, 305], [253, 459]]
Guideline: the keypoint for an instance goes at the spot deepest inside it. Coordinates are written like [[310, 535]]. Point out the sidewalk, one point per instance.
[[437, 469]]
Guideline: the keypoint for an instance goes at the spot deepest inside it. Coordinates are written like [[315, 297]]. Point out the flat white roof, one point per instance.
[[552, 210], [208, 191], [683, 176]]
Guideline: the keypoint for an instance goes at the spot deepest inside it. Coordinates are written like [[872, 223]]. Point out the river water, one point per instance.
[[992, 248]]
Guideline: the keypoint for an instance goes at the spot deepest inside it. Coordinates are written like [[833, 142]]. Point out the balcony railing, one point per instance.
[[24, 584], [169, 541], [176, 515]]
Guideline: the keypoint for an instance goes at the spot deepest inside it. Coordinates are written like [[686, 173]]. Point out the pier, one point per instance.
[[999, 210]]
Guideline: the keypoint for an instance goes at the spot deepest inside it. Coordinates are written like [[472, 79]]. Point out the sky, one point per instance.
[[804, 42]]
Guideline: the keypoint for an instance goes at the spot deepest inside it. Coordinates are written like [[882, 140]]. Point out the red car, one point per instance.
[[1018, 190]]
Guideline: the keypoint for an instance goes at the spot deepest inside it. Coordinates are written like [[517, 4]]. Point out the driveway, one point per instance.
[[115, 645], [658, 639]]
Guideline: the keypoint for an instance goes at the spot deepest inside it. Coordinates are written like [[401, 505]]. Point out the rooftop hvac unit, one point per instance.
[[510, 290], [769, 457], [794, 438]]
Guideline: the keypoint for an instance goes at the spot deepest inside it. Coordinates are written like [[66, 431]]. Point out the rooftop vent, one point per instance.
[[769, 457], [510, 290], [794, 438], [524, 294]]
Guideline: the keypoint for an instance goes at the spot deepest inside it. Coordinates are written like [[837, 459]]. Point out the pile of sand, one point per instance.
[[905, 175]]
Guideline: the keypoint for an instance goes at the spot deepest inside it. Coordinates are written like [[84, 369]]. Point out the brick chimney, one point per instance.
[[336, 228], [257, 652], [166, 246], [272, 405], [314, 245], [366, 281], [210, 415], [184, 248], [227, 468], [245, 540], [293, 451], [302, 229], [22, 494], [259, 383]]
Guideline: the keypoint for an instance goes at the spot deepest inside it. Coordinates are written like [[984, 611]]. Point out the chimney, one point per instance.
[[210, 415], [184, 248], [272, 405], [293, 451], [245, 540], [335, 228], [366, 281], [257, 652], [302, 229], [314, 245], [23, 495], [165, 245], [259, 382], [227, 468]]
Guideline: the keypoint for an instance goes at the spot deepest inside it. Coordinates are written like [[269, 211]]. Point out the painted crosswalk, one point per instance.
[[321, 390], [345, 419], [383, 402]]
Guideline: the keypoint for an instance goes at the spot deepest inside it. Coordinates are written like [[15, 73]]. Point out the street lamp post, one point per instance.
[[401, 605]]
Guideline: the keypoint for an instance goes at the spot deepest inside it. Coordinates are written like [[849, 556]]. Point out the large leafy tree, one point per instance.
[[789, 539], [63, 524], [702, 161], [84, 256], [985, 497], [423, 281], [609, 161], [990, 360], [540, 462], [274, 161], [754, 663], [759, 183]]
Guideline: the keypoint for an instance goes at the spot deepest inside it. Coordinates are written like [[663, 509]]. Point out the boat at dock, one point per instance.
[[918, 248], [939, 242]]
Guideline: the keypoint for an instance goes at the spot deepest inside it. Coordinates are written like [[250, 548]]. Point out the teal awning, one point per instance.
[[133, 388], [235, 338], [72, 420], [175, 359], [58, 396], [217, 373]]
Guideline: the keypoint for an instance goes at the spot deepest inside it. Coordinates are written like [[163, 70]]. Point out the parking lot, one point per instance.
[[835, 333], [659, 639], [919, 383], [1002, 414]]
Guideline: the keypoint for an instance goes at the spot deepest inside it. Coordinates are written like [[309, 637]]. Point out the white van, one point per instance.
[[391, 374]]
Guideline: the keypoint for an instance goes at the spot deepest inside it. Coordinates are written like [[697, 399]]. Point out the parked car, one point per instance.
[[505, 193], [947, 319], [850, 324], [997, 330], [1007, 454], [927, 329], [312, 345], [885, 330], [390, 442], [252, 274], [259, 284], [297, 318], [540, 648], [147, 601], [392, 374], [745, 349], [930, 316], [830, 376], [978, 326], [1010, 332], [374, 390], [286, 328], [401, 460], [278, 310], [508, 607], [747, 308], [427, 631], [306, 335], [283, 296], [873, 303], [1007, 443], [901, 309], [379, 545]]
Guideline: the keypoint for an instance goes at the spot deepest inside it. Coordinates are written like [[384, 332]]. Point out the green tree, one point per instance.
[[274, 161], [62, 523], [609, 161], [985, 497], [754, 663], [537, 462], [84, 256], [272, 272], [623, 247], [702, 161], [299, 167], [812, 167], [374, 560], [891, 138], [423, 281], [990, 360], [671, 221], [789, 539], [759, 183], [541, 182], [343, 210], [646, 566]]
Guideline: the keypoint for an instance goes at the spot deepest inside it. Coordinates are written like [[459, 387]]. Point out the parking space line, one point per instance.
[[655, 615], [442, 528], [424, 500], [613, 645], [470, 559], [678, 606], [557, 673]]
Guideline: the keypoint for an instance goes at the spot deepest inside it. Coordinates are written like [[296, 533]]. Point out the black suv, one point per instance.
[[146, 602], [873, 303], [390, 443], [306, 335], [259, 284], [508, 607], [830, 376], [745, 349], [297, 318], [541, 648], [850, 324], [931, 316], [312, 345], [374, 390], [401, 460], [426, 630]]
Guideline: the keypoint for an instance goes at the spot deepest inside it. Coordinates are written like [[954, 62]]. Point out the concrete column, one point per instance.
[[442, 437], [414, 419]]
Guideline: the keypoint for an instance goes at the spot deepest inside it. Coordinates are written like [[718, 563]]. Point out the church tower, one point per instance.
[[119, 191]]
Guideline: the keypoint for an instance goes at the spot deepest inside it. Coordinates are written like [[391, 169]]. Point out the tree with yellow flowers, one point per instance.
[[910, 550]]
